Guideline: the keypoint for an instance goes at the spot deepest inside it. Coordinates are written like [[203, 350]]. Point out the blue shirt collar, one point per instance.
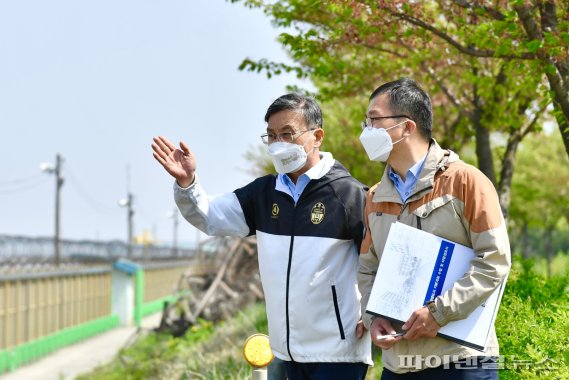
[[405, 188], [285, 184]]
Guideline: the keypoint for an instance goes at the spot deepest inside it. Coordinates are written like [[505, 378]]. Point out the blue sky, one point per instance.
[[96, 80]]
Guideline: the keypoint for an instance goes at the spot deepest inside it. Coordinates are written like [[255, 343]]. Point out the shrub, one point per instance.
[[533, 325]]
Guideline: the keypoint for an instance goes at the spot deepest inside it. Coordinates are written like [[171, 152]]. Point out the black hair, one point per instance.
[[302, 104], [407, 97]]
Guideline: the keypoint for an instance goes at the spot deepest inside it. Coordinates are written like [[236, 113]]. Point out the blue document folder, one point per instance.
[[416, 267]]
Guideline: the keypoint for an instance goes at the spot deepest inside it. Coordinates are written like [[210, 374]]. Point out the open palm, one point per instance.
[[179, 162]]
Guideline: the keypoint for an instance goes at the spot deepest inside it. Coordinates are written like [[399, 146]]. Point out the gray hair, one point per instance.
[[302, 104]]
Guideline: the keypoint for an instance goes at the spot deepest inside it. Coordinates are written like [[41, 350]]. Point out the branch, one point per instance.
[[457, 45], [531, 126], [453, 99], [496, 14], [446, 91], [500, 80], [375, 48], [549, 22], [548, 16], [528, 22]]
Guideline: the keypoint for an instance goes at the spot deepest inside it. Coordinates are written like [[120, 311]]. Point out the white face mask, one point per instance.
[[287, 157], [377, 142]]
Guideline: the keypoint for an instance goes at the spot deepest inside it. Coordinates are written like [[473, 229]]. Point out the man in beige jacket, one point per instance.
[[429, 188]]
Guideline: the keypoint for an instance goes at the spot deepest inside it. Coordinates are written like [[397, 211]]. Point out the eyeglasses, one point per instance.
[[269, 138], [368, 122]]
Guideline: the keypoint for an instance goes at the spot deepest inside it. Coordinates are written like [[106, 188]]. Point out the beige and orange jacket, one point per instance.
[[455, 201]]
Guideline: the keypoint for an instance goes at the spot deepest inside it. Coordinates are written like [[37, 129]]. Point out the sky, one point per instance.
[[95, 81]]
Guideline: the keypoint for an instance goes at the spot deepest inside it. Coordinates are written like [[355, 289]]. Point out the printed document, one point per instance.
[[416, 267]]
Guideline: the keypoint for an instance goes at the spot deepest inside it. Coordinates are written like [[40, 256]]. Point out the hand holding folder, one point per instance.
[[417, 267]]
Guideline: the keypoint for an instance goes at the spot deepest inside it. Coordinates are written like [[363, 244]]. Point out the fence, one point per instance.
[[39, 304], [159, 282], [41, 312], [17, 249]]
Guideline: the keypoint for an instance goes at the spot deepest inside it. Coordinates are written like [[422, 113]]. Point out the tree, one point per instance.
[[540, 189], [484, 73]]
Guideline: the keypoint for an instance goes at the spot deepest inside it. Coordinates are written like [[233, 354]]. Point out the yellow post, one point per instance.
[[257, 352]]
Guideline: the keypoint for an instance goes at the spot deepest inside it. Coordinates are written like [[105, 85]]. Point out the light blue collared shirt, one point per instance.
[[285, 184], [405, 188]]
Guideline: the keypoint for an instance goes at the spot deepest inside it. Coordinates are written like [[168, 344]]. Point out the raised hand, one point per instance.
[[179, 162]]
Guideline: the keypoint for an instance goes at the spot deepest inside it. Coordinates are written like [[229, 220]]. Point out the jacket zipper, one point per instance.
[[288, 287], [401, 212]]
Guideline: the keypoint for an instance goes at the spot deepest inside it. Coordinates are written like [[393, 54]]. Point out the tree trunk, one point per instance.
[[547, 245], [507, 172], [483, 148], [561, 104], [558, 78], [526, 249]]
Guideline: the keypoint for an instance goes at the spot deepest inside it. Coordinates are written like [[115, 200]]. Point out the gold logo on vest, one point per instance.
[[317, 214], [275, 210]]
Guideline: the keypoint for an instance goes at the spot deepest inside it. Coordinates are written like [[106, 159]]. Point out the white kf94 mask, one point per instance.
[[287, 157], [377, 142]]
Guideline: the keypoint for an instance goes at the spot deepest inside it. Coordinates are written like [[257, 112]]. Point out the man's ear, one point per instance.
[[318, 137], [410, 127]]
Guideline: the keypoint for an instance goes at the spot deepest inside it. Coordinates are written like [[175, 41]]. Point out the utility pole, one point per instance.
[[198, 248], [130, 213], [48, 168], [127, 202], [175, 237], [58, 185], [174, 216]]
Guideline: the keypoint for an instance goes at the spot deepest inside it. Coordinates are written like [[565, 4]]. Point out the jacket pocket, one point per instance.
[[444, 218], [424, 211], [337, 309]]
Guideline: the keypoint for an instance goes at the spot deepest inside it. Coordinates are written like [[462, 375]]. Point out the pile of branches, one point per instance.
[[226, 280]]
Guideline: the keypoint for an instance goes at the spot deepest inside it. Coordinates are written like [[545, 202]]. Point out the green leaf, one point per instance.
[[533, 45]]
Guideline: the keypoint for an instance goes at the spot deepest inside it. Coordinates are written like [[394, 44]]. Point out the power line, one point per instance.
[[24, 187], [20, 181], [86, 196]]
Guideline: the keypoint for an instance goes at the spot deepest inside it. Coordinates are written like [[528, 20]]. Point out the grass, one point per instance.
[[532, 326], [205, 352]]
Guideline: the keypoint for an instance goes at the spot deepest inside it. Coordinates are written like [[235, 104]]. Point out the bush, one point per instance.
[[533, 325]]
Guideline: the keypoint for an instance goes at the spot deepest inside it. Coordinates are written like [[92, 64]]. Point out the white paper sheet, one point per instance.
[[415, 267]]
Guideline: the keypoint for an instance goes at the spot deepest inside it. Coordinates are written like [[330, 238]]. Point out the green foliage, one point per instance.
[[559, 265], [530, 287], [145, 359], [206, 352], [540, 195], [533, 324], [342, 129], [486, 65]]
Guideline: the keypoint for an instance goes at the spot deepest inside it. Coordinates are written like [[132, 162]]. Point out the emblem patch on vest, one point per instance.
[[317, 214], [275, 211]]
